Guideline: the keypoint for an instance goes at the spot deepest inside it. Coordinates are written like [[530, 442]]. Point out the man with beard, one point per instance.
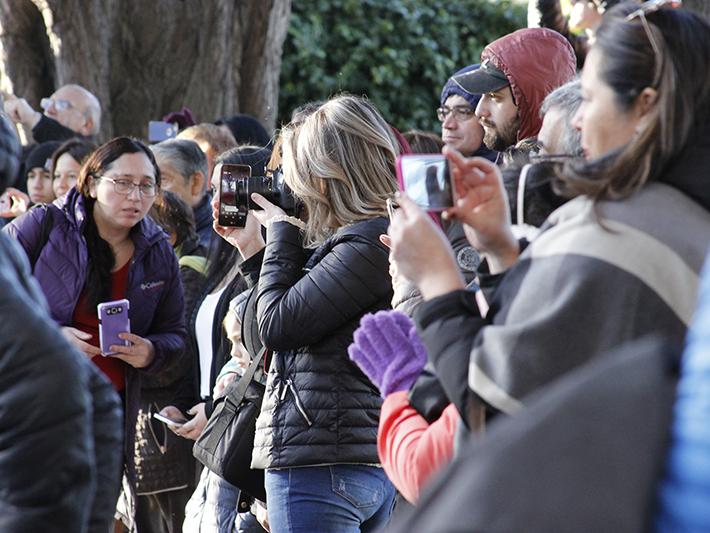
[[517, 72]]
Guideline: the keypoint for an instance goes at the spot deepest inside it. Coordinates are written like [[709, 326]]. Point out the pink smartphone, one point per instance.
[[426, 180], [113, 319]]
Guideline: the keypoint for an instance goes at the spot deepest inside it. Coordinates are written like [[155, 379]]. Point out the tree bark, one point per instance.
[[23, 35], [145, 59]]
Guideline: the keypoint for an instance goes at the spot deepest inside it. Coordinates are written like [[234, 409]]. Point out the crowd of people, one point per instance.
[[519, 360]]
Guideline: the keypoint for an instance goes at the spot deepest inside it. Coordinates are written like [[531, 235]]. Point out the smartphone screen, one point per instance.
[[169, 421], [113, 319], [233, 198], [426, 180]]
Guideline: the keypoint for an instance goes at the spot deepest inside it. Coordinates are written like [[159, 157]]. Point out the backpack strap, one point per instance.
[[45, 229]]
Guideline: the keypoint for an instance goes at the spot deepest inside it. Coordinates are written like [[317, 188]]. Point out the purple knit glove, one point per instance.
[[388, 351]]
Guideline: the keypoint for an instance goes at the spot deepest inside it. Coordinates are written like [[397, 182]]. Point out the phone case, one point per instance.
[[232, 185], [113, 319], [401, 180]]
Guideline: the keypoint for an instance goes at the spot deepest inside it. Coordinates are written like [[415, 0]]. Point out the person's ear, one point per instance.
[[197, 184], [646, 101], [87, 127], [92, 186]]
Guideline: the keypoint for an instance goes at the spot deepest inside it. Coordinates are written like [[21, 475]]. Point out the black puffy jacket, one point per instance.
[[319, 408], [60, 419]]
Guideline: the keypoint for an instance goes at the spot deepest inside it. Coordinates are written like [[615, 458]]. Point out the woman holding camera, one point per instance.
[[317, 432], [97, 246], [618, 262]]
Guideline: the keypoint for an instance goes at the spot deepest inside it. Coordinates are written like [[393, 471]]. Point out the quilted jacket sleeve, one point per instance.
[[296, 307], [168, 332]]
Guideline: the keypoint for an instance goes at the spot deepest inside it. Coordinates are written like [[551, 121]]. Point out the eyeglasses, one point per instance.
[[460, 113], [59, 105], [122, 186], [646, 8]]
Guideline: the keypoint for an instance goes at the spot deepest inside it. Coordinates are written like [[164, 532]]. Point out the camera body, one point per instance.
[[426, 180], [236, 185]]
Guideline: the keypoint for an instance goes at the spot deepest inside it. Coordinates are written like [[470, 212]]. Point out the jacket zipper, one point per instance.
[[297, 401]]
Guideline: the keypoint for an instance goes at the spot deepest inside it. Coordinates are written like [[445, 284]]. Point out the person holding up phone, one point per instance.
[[101, 248]]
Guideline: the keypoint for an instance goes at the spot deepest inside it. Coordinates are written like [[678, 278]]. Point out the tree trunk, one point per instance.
[[145, 59]]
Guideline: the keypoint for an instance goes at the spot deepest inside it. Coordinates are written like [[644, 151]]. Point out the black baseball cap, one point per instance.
[[488, 78]]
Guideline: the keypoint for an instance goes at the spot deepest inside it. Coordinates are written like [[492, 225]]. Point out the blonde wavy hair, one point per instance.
[[340, 161]]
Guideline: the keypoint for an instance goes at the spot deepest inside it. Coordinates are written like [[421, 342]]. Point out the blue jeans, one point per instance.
[[328, 499]]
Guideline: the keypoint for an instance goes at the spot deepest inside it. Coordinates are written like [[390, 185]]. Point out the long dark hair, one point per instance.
[[679, 73], [78, 149], [101, 258]]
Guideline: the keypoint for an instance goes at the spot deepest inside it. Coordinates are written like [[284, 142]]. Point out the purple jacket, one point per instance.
[[154, 287]]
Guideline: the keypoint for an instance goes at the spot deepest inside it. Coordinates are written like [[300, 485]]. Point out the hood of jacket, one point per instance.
[[536, 61], [688, 171]]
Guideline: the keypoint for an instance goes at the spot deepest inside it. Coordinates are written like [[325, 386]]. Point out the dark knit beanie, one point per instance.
[[452, 87], [41, 155], [246, 129]]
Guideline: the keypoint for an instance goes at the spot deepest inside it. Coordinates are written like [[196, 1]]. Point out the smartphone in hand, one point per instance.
[[169, 421], [426, 180], [233, 195], [113, 319]]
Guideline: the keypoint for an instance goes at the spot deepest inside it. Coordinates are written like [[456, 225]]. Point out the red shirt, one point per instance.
[[86, 319]]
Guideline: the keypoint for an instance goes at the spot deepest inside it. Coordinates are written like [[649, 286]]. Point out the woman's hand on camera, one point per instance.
[[482, 206], [139, 353], [421, 252], [247, 240], [78, 339], [268, 210]]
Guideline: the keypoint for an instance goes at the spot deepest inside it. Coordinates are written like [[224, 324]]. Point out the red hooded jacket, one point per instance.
[[536, 61]]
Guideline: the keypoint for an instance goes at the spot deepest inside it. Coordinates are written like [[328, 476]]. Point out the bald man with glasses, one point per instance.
[[72, 111]]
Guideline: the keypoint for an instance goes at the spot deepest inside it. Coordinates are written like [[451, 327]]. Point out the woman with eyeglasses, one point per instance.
[[619, 261], [100, 247]]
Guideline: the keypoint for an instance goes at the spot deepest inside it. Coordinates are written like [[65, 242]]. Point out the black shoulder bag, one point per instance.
[[225, 445]]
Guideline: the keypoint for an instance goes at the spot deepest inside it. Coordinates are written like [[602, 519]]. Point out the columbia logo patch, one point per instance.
[[150, 285]]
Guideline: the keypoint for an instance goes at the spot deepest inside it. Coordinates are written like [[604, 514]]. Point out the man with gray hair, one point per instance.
[[183, 170], [72, 111], [557, 136]]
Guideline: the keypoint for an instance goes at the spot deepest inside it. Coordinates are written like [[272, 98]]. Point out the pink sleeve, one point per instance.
[[410, 449]]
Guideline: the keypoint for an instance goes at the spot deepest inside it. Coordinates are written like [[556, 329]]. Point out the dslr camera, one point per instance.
[[236, 185]]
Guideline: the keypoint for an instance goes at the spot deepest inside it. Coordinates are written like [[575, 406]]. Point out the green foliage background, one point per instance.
[[397, 52]]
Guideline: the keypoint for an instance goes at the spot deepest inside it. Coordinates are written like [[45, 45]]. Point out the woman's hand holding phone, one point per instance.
[[248, 240], [421, 252], [170, 412], [193, 427], [482, 206], [139, 353]]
